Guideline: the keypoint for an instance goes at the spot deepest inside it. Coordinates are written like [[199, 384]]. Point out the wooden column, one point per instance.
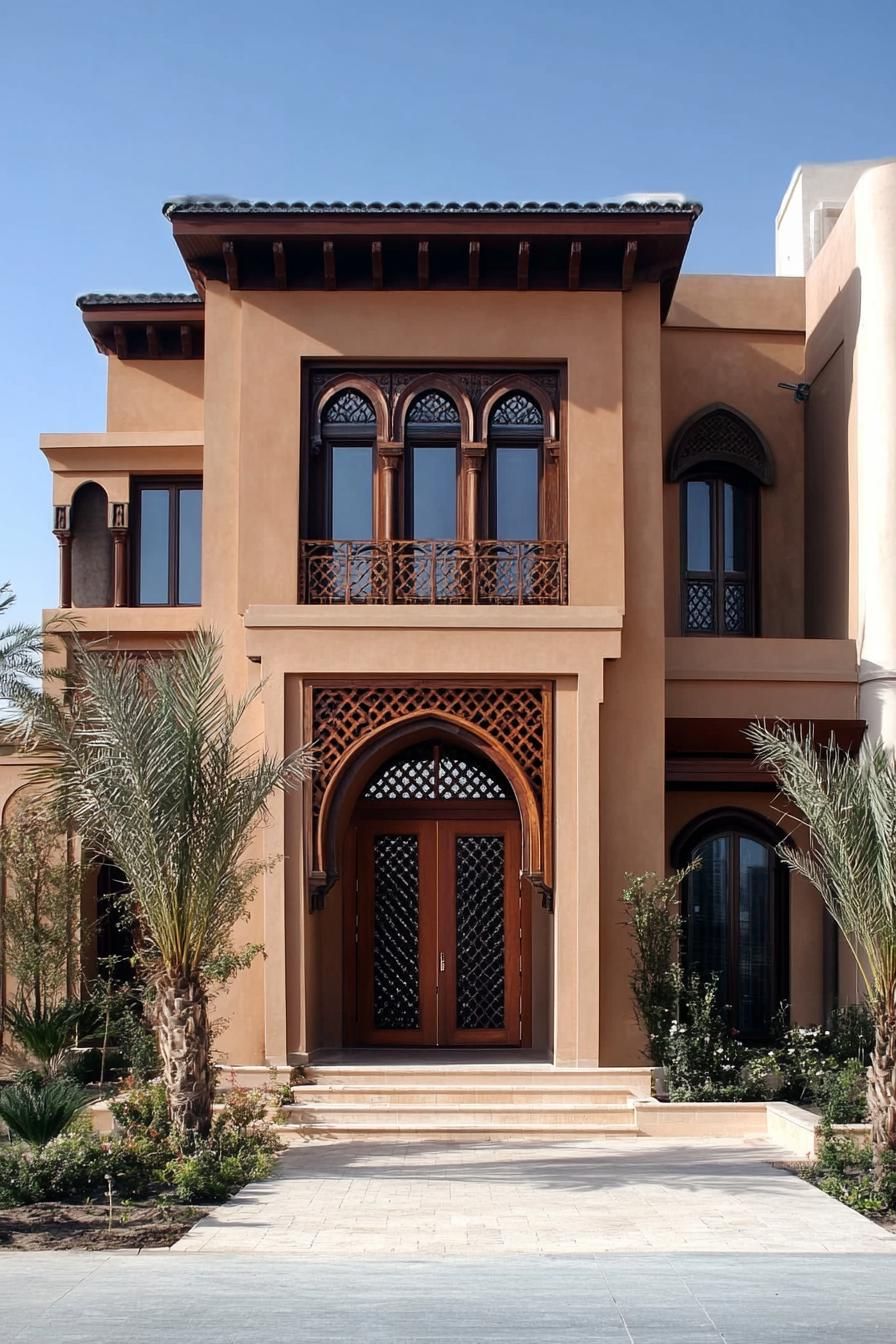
[[389, 460], [473, 456], [118, 526], [63, 534]]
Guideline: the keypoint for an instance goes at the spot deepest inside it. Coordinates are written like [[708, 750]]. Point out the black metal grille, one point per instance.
[[349, 408], [735, 608], [700, 607], [433, 408], [479, 863], [396, 933], [517, 409], [432, 772]]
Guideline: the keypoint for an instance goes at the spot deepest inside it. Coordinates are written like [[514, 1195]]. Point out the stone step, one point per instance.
[[475, 1131], [453, 1094], [328, 1115], [430, 1076]]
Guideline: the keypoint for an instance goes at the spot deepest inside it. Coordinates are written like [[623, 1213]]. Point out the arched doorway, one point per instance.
[[436, 918]]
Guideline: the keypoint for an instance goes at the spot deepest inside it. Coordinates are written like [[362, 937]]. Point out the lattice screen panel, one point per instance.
[[512, 715], [480, 931]]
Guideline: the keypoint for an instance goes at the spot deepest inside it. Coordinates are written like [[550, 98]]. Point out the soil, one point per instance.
[[85, 1227]]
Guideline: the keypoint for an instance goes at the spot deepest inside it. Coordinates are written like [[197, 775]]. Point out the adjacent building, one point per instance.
[[520, 527]]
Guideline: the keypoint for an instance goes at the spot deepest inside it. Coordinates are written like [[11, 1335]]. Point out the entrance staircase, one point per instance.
[[464, 1101]]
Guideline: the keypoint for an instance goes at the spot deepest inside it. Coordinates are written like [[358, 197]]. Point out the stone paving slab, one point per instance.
[[621, 1299], [416, 1198]]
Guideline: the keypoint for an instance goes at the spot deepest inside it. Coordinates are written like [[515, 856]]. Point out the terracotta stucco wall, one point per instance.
[[732, 339], [154, 394]]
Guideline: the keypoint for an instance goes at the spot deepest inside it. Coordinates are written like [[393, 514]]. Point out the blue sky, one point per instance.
[[109, 109]]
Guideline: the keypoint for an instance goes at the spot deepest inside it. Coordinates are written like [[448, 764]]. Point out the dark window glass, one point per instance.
[[516, 493], [433, 503], [189, 548], [698, 525], [718, 579], [152, 584], [169, 552], [730, 918], [351, 505]]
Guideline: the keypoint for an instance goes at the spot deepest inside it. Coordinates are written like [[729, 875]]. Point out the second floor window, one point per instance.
[[167, 557], [432, 461], [718, 547]]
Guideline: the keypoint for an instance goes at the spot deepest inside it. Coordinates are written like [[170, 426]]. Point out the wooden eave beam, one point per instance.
[[575, 263], [119, 336], [522, 265], [629, 261], [376, 264], [329, 264], [422, 263], [279, 254], [231, 268], [473, 264], [508, 226]]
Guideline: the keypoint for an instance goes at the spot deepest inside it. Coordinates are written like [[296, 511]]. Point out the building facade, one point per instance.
[[518, 526]]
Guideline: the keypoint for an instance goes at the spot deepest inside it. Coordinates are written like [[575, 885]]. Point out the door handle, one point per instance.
[[441, 961]]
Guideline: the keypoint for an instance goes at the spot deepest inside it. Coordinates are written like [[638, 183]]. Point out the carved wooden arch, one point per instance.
[[516, 383], [361, 762], [434, 382], [354, 383], [719, 435]]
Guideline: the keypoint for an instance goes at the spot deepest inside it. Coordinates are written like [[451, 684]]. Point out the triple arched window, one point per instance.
[[720, 460], [418, 485]]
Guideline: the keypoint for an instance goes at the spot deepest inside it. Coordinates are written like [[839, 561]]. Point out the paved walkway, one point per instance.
[[329, 1199], [610, 1299]]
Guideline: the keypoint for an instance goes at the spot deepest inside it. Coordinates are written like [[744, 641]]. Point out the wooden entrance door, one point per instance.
[[439, 955]]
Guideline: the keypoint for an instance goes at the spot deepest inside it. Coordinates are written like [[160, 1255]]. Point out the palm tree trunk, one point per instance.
[[184, 1044], [882, 1077]]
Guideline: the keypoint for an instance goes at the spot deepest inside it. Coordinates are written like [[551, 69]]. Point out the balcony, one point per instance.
[[453, 573]]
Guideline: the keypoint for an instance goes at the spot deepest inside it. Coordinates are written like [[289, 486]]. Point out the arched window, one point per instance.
[[734, 915], [431, 467], [348, 431], [720, 460], [516, 439]]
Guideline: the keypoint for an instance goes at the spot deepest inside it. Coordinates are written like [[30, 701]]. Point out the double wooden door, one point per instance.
[[437, 953]]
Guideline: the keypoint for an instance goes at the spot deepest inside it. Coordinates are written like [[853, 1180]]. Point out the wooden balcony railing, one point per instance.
[[488, 573]]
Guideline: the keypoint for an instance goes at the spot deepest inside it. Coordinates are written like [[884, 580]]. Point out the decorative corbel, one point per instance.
[[63, 533], [319, 883], [541, 890], [118, 526]]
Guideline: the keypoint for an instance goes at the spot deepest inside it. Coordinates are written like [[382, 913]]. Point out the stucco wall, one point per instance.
[[154, 394]]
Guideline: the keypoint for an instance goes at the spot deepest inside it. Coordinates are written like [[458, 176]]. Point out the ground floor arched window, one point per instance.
[[734, 915]]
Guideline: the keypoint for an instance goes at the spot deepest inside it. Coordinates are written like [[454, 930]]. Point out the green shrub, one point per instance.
[[845, 1170], [841, 1093], [241, 1147], [705, 1062], [48, 1035], [852, 1033], [143, 1112], [74, 1167], [39, 1111]]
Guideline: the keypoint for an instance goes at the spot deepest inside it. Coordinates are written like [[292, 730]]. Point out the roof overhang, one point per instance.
[[596, 246], [145, 326]]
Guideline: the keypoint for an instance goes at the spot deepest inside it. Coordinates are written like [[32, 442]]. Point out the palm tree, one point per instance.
[[154, 768], [849, 805], [21, 646]]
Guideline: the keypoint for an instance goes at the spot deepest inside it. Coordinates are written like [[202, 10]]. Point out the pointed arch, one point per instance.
[[433, 382], [718, 435], [504, 387]]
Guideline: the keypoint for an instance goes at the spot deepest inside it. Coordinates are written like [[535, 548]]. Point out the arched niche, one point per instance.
[[92, 549]]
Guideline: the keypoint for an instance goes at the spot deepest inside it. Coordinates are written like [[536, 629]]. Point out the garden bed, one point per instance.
[[86, 1227]]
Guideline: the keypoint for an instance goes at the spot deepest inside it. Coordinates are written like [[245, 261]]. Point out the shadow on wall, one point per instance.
[[92, 563], [829, 517]]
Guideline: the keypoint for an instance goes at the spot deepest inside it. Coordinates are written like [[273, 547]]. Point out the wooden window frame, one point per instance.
[[352, 436], [174, 485], [514, 436], [736, 824], [427, 436], [717, 576]]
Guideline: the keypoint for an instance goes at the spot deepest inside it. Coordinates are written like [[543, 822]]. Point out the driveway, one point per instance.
[[423, 1199], [570, 1299]]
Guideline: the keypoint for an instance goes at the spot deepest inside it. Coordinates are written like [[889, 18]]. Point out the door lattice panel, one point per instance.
[[396, 933], [512, 715], [480, 931]]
